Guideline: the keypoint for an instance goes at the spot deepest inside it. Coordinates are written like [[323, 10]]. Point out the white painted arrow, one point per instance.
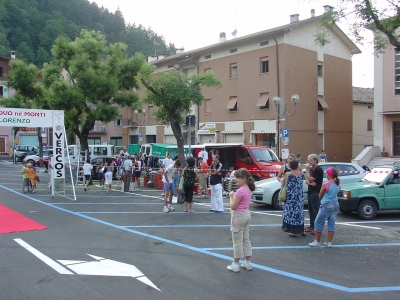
[[106, 267]]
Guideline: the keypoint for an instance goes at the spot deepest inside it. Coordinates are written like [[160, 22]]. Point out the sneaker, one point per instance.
[[211, 210], [328, 244], [85, 189], [233, 267], [314, 244], [34, 191], [171, 208], [162, 194], [313, 232], [308, 229], [219, 211], [246, 265], [166, 210]]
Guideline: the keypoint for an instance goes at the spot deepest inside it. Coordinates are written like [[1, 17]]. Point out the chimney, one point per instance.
[[181, 50], [161, 56], [294, 18], [222, 37], [327, 8], [151, 58], [313, 13], [12, 54]]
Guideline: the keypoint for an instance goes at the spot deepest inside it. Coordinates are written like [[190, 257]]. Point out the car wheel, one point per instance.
[[345, 211], [275, 202], [367, 210]]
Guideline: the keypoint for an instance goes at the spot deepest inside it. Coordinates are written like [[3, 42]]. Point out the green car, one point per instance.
[[378, 190]]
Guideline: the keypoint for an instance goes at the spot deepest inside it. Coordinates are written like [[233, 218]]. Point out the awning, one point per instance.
[[323, 102], [232, 102], [267, 126], [263, 131], [205, 132], [263, 100], [232, 132]]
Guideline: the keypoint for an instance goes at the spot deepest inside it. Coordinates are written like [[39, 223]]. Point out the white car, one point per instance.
[[34, 158], [267, 190]]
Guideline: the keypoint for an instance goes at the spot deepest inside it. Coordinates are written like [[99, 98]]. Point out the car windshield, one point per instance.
[[47, 152], [377, 175], [264, 155]]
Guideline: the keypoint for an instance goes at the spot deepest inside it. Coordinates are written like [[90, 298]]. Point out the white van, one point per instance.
[[94, 150]]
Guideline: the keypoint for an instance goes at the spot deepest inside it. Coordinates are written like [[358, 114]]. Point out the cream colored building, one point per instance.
[[363, 115]]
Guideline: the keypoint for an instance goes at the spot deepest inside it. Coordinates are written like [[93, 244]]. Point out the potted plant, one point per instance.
[[384, 153]]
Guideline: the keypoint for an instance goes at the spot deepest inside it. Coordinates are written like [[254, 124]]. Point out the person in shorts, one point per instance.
[[25, 177], [100, 174], [203, 176], [169, 185], [87, 171]]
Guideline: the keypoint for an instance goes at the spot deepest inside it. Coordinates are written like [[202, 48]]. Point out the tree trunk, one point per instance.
[[177, 130], [39, 133]]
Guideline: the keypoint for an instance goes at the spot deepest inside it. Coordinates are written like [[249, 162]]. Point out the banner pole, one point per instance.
[[70, 165]]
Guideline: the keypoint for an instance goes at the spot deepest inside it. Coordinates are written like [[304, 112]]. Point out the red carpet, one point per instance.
[[11, 221]]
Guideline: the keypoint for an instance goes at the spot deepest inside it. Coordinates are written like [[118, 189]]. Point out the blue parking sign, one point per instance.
[[285, 132]]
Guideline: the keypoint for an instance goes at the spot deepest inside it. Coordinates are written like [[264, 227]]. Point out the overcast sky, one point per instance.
[[194, 24]]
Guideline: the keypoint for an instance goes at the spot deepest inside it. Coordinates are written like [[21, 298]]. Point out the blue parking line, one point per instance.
[[228, 258], [141, 212]]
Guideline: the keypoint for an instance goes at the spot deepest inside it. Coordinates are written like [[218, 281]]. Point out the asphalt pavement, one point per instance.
[[115, 245]]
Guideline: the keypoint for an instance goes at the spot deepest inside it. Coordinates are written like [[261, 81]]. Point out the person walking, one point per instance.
[[128, 173], [217, 204], [169, 185], [293, 209], [203, 176], [315, 176], [329, 208], [138, 172], [239, 202], [87, 171], [176, 179], [100, 174], [25, 177], [31, 175], [108, 169], [189, 176]]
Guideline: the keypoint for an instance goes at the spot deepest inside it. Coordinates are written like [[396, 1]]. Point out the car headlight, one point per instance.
[[259, 189], [346, 194]]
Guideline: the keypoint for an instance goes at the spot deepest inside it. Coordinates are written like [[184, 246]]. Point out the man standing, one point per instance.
[[169, 185], [87, 171], [323, 157], [203, 154], [128, 173], [315, 176], [217, 204], [203, 175], [167, 161]]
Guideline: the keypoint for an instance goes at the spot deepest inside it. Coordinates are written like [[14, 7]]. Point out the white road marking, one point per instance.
[[47, 260], [348, 224]]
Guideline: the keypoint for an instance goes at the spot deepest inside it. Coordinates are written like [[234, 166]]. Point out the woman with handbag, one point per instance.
[[293, 210]]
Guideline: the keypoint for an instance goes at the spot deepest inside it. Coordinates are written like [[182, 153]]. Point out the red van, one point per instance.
[[261, 161]]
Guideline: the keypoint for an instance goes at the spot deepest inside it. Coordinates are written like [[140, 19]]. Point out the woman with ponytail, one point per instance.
[[240, 220], [329, 208]]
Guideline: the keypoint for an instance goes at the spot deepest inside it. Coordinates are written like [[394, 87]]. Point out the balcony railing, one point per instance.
[[99, 129], [130, 122]]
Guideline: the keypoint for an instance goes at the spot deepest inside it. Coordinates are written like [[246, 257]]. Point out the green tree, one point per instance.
[[174, 94], [99, 80], [382, 17]]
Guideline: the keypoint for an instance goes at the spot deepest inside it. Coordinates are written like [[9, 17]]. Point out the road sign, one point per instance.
[[140, 136], [285, 132], [285, 141]]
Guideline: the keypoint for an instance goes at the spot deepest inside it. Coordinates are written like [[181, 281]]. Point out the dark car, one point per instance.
[[95, 161], [21, 151]]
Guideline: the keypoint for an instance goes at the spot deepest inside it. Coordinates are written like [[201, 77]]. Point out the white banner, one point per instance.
[[58, 144], [19, 117]]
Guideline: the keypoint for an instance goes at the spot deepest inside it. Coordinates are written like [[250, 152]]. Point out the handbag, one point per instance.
[[282, 192]]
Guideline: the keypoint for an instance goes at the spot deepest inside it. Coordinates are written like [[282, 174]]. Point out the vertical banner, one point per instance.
[[58, 144]]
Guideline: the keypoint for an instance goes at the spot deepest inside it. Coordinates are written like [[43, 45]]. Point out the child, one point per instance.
[[31, 174], [25, 177], [240, 220], [329, 207]]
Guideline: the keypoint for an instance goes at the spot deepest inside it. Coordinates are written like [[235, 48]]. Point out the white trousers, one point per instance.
[[216, 197]]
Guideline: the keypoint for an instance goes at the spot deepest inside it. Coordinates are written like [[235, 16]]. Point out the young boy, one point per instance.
[[87, 171], [25, 178], [169, 185]]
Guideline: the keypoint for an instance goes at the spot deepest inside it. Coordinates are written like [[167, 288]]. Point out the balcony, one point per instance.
[[130, 122], [98, 129]]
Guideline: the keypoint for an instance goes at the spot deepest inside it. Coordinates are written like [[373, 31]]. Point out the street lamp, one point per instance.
[[278, 102], [140, 115]]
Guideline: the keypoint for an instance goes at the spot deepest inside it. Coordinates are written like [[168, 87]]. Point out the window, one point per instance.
[[369, 125], [207, 56], [1, 71], [133, 139], [263, 101], [151, 139], [150, 111], [321, 103], [170, 66], [207, 70], [232, 104], [264, 43], [397, 73], [1, 90], [94, 141], [233, 50], [320, 65], [116, 141], [207, 106], [345, 170], [118, 122], [233, 71], [264, 65], [99, 150]]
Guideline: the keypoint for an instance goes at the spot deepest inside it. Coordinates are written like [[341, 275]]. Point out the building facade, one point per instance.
[[387, 101], [282, 61]]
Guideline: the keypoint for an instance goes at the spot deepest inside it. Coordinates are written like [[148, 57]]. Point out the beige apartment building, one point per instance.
[[253, 69], [387, 101]]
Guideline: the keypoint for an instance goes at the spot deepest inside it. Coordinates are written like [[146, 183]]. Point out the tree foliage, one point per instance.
[[99, 79], [174, 94], [31, 26], [382, 17]]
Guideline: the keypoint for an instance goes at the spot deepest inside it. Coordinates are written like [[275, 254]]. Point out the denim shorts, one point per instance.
[[327, 211], [170, 188]]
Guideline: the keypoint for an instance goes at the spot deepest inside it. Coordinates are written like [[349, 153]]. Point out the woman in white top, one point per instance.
[[108, 169]]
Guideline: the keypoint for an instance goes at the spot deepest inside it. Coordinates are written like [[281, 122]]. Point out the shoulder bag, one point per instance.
[[282, 192]]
